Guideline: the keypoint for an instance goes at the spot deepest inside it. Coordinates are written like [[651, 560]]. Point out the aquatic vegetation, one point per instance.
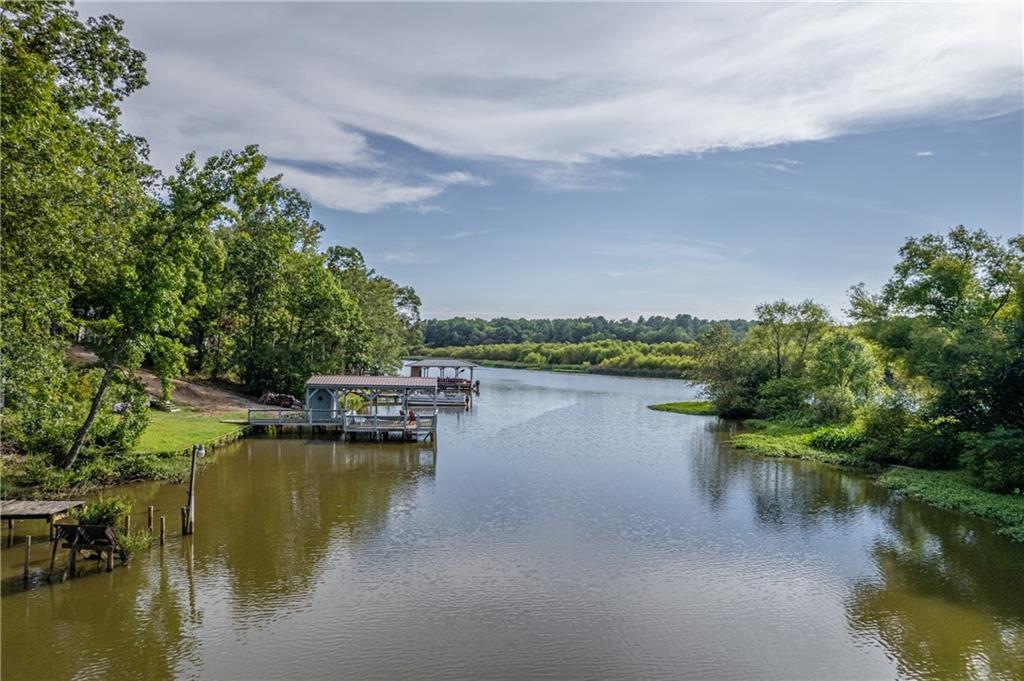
[[954, 491], [698, 408]]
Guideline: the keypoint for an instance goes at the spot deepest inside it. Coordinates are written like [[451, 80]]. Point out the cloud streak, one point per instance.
[[524, 86]]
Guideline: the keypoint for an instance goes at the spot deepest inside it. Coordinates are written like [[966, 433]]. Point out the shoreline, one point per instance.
[[946, 489]]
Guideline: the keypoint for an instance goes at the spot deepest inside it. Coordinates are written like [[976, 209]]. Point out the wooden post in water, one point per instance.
[[110, 559], [163, 529], [150, 520], [128, 524], [28, 555], [184, 521], [190, 519]]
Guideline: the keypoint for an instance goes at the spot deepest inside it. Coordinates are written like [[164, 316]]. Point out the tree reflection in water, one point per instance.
[[948, 598]]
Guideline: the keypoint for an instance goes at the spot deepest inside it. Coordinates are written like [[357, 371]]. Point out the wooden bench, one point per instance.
[[99, 540]]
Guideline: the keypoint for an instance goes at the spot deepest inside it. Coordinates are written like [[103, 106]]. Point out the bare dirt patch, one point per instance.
[[204, 396]]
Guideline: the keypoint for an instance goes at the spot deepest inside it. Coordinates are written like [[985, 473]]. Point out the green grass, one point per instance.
[[775, 439], [693, 408], [953, 490], [177, 431], [157, 456]]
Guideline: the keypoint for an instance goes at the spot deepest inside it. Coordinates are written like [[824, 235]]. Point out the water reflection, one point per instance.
[[293, 508], [270, 514], [568, 532], [938, 614], [928, 602]]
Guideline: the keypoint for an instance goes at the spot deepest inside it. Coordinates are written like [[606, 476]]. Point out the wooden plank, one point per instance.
[[36, 510]]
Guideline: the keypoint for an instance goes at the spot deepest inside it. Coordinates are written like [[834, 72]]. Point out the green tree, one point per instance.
[[842, 373], [951, 317], [143, 310], [390, 312], [788, 331]]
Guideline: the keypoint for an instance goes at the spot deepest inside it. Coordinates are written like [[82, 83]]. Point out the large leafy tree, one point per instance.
[[951, 317], [788, 331], [144, 309], [390, 312], [274, 312], [74, 183]]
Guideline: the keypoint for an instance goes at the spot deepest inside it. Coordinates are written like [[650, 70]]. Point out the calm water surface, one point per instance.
[[561, 530]]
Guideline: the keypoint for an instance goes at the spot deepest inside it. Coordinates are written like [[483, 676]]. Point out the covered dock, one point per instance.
[[327, 406], [459, 379]]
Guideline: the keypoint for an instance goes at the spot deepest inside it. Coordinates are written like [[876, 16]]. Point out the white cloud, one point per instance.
[[550, 89], [466, 233], [425, 208], [461, 177], [355, 193], [924, 153], [404, 258], [783, 165]]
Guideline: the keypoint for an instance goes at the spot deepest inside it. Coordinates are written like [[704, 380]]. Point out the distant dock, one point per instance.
[[452, 385]]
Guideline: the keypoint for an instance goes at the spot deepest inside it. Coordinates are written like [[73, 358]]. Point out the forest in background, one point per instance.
[[213, 271], [460, 331], [654, 346]]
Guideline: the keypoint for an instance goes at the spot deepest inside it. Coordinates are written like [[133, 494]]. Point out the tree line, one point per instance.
[[669, 360], [461, 331], [929, 373], [215, 270]]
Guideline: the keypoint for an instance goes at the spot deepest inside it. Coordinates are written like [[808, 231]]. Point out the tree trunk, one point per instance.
[[94, 408]]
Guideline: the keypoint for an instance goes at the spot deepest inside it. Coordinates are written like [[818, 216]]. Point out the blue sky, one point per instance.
[[565, 160]]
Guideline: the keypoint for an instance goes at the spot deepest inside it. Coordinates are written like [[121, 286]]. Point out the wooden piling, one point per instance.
[[184, 520], [150, 520], [28, 556], [163, 529], [110, 559], [128, 524]]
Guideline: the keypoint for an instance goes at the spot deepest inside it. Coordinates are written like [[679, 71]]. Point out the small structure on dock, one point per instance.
[[327, 407], [456, 381], [50, 511]]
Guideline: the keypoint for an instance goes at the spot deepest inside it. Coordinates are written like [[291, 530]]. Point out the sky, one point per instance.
[[581, 159]]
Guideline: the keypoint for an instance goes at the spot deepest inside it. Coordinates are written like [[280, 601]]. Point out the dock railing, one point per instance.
[[349, 422]]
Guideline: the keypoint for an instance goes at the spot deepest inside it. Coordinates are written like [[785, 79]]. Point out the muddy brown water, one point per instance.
[[559, 530]]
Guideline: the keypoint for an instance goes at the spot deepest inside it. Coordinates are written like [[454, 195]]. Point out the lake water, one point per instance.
[[560, 530]]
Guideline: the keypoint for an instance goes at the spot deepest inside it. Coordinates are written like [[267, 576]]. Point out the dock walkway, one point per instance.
[[50, 511]]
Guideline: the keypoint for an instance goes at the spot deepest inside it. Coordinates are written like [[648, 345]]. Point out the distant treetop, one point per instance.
[[461, 331]]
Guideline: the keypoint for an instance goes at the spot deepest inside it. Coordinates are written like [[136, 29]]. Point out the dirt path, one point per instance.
[[204, 396]]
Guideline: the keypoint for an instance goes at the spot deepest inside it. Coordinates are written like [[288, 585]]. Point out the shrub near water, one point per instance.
[[111, 511], [995, 460], [837, 438], [104, 511]]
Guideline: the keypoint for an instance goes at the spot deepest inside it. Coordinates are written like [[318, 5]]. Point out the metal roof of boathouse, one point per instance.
[[342, 381], [444, 362]]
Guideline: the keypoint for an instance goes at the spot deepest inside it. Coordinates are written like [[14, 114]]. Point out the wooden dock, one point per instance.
[[372, 426], [50, 511], [327, 408]]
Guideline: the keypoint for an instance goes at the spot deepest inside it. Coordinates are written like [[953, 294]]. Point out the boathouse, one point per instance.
[[460, 377], [327, 406]]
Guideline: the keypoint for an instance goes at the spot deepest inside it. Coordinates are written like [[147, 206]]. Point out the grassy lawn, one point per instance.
[[953, 490], [178, 431], [694, 408]]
